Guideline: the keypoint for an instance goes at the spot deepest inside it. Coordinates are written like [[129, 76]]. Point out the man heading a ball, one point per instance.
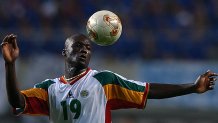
[[83, 95]]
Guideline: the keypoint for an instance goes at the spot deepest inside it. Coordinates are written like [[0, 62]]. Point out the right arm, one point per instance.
[[10, 53], [204, 83]]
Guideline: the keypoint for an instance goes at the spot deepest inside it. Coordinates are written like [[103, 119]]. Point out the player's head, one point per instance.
[[77, 51]]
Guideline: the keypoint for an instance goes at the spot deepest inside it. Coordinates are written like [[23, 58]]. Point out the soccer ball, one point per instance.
[[104, 28]]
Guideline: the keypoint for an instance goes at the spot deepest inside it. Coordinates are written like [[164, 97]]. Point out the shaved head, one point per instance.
[[76, 37]]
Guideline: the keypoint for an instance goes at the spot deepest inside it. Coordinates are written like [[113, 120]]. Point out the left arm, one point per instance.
[[203, 83]]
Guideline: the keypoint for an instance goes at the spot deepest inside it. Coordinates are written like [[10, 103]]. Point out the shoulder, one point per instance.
[[108, 77], [105, 74], [46, 83]]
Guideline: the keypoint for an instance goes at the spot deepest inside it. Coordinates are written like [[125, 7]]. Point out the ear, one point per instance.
[[64, 52]]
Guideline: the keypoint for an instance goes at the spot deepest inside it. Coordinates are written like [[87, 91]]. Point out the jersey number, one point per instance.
[[75, 107]]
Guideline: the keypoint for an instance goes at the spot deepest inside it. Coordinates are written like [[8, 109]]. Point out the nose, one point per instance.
[[84, 50]]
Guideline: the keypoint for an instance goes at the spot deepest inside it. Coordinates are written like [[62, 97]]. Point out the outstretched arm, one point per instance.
[[10, 52], [203, 83]]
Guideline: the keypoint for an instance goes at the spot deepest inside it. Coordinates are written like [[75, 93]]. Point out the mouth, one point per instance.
[[82, 57]]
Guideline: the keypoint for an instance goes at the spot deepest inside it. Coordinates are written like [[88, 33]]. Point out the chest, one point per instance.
[[85, 91], [71, 101], [80, 90]]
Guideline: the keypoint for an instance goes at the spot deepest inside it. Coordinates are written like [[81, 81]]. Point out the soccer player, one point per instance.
[[84, 95]]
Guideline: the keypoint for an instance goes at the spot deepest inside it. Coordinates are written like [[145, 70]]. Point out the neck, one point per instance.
[[71, 70]]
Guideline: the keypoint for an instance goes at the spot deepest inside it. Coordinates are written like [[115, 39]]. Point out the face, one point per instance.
[[77, 51]]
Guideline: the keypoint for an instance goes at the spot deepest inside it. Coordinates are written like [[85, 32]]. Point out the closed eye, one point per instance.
[[88, 47], [79, 45]]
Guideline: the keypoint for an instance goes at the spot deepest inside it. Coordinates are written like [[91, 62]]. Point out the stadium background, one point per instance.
[[162, 41]]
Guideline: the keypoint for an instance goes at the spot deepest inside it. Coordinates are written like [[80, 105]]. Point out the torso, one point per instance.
[[77, 103]]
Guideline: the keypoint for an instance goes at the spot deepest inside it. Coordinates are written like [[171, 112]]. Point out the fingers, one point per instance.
[[3, 43], [210, 73], [211, 87], [5, 40], [212, 83], [10, 39], [211, 78], [14, 42]]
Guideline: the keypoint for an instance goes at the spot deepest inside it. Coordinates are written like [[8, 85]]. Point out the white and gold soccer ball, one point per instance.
[[104, 28]]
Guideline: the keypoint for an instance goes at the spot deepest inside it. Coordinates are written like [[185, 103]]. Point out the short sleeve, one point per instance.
[[121, 92], [36, 100]]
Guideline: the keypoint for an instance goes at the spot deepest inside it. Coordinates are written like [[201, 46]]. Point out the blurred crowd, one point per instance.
[[152, 29]]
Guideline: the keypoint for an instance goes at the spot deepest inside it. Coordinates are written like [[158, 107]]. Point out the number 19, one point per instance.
[[75, 107]]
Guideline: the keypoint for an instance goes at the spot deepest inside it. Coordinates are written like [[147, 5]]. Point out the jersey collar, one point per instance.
[[62, 80]]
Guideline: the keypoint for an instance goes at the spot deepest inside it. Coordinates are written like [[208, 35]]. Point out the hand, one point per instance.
[[10, 50], [205, 82]]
